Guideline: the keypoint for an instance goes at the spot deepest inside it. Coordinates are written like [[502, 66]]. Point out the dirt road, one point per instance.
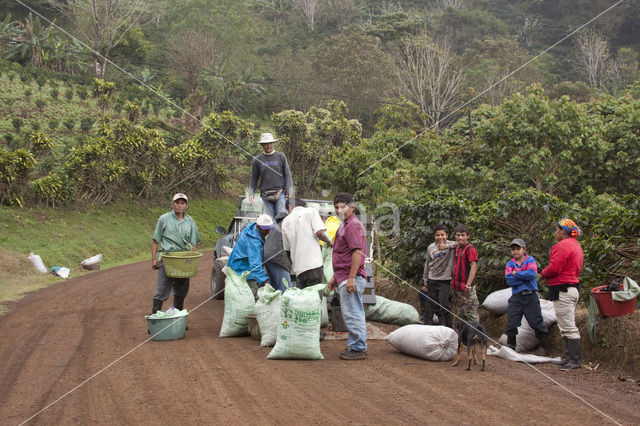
[[57, 338]]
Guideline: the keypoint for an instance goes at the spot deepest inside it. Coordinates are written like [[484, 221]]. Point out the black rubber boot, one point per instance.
[[157, 306], [543, 350], [511, 342], [565, 356], [178, 302], [575, 355]]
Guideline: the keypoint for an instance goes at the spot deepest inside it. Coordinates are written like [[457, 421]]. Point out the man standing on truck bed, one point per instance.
[[271, 168]]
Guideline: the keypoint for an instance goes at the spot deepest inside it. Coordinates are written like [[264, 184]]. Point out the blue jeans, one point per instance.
[[273, 208], [353, 314], [276, 274]]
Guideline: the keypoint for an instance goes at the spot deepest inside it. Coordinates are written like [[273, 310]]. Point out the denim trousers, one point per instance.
[[353, 314], [273, 208], [276, 274]]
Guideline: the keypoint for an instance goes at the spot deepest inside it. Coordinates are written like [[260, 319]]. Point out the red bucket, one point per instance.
[[609, 307]]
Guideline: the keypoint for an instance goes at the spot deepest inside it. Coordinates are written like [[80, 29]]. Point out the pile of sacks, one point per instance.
[[526, 340], [289, 321]]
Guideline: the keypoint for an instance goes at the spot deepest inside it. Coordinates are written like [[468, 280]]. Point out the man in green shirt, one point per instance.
[[175, 231]]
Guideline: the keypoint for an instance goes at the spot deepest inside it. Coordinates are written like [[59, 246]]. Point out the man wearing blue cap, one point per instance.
[[248, 253], [175, 231]]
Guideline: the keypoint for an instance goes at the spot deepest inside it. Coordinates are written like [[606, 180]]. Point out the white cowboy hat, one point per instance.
[[267, 138]]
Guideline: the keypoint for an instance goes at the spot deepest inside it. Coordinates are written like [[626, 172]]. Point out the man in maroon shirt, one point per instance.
[[349, 252], [565, 264]]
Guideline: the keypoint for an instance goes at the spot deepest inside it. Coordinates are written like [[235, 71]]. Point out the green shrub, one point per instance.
[[68, 94], [40, 81], [69, 123], [35, 125], [53, 123], [11, 76], [52, 188], [40, 104], [54, 93], [24, 77], [82, 93], [27, 92], [86, 123], [17, 123]]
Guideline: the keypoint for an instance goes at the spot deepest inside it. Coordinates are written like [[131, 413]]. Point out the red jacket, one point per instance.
[[565, 263]]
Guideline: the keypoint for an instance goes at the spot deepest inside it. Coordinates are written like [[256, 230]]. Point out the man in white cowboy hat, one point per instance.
[[271, 169]]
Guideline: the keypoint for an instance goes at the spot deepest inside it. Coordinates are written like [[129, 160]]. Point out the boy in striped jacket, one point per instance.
[[520, 274]]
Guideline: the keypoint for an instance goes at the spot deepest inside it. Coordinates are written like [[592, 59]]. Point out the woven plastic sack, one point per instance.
[[238, 303], [324, 312], [37, 263], [299, 327], [432, 342], [498, 301], [267, 312], [391, 312], [327, 254]]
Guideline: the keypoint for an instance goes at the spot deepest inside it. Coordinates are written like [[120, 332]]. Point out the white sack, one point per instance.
[[498, 301], [37, 263], [267, 311], [526, 339], [93, 260], [511, 355], [432, 342]]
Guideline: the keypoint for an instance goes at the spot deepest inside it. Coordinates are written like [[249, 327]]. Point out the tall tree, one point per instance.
[[104, 23], [594, 58], [309, 9], [428, 76]]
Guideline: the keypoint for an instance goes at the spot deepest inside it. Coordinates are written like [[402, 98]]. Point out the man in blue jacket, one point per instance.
[[520, 274], [247, 254]]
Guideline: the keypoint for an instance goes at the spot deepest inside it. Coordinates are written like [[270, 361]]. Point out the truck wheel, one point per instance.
[[217, 281]]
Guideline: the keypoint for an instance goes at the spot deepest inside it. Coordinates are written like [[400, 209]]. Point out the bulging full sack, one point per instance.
[[432, 342], [391, 312], [37, 263], [498, 301], [238, 303], [299, 326], [267, 312]]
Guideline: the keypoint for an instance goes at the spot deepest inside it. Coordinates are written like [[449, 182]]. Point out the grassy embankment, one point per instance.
[[64, 237]]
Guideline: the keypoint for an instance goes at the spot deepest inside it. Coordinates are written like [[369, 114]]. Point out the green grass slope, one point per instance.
[[64, 237]]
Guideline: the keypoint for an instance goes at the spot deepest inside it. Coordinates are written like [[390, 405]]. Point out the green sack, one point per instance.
[[267, 311], [327, 253], [299, 327], [238, 303], [391, 312]]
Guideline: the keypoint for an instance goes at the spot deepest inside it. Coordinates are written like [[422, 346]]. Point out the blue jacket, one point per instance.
[[525, 277], [247, 254]]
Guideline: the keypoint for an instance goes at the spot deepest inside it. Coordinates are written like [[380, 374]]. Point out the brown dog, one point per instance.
[[472, 336]]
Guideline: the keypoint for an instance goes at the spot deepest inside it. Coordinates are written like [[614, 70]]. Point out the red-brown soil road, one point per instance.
[[57, 338]]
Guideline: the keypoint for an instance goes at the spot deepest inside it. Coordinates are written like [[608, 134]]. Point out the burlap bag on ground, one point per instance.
[[299, 326], [238, 303], [267, 312], [432, 342], [391, 312]]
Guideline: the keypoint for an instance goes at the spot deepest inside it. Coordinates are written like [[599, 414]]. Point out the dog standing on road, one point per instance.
[[472, 336]]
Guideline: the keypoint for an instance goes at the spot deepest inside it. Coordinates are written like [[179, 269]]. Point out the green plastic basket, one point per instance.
[[167, 328], [181, 264]]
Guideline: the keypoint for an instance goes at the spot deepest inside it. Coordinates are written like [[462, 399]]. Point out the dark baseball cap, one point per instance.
[[518, 242]]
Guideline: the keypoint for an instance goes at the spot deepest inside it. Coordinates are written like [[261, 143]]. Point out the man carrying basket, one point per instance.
[[175, 231]]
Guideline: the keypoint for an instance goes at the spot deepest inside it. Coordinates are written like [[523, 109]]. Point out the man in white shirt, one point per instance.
[[302, 231]]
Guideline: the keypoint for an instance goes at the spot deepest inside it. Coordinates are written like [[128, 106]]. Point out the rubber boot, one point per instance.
[[543, 350], [511, 342], [178, 302], [575, 355], [565, 356], [157, 306]]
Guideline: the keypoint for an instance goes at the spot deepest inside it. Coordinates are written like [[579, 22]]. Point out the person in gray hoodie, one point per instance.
[[437, 278]]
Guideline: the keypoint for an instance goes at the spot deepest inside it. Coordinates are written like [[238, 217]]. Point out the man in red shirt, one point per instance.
[[349, 252], [565, 264]]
